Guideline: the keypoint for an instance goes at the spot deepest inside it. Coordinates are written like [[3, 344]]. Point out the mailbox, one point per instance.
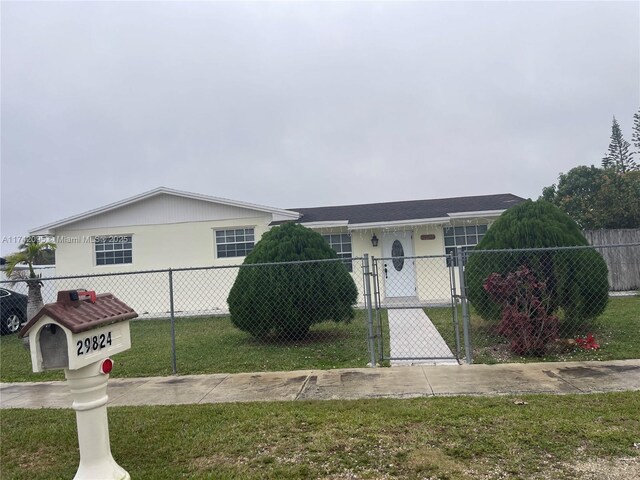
[[79, 329], [79, 333]]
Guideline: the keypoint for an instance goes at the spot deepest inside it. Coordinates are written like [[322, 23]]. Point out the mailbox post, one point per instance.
[[79, 333]]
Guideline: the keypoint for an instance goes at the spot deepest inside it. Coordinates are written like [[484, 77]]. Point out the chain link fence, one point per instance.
[[286, 316], [476, 306], [552, 303], [508, 305]]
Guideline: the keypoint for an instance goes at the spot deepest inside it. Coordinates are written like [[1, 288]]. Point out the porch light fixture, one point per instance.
[[374, 240]]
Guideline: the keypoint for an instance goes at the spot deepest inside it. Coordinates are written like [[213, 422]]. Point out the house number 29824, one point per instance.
[[91, 344]]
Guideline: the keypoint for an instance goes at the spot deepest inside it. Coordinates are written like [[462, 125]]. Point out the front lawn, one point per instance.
[[211, 345], [529, 437], [617, 331]]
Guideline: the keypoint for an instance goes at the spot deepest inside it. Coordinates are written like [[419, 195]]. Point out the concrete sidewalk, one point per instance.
[[354, 383]]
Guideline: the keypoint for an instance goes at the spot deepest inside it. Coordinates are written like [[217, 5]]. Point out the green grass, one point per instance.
[[442, 319], [211, 345], [381, 330], [617, 331], [438, 438]]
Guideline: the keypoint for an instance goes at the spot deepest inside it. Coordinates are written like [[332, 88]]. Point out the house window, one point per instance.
[[463, 238], [113, 250], [237, 242], [341, 243]]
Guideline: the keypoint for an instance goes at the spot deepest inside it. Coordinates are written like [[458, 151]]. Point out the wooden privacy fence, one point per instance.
[[622, 260]]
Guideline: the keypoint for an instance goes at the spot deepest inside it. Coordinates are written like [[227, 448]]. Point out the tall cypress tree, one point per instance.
[[618, 157], [635, 134]]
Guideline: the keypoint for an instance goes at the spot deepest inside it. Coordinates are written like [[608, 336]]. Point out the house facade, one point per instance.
[[166, 228]]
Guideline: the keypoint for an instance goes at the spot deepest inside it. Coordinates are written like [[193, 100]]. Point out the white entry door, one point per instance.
[[399, 272]]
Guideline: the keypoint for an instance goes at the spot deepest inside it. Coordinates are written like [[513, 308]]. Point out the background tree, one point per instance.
[[597, 198], [32, 252], [635, 134], [617, 204], [618, 156], [576, 192], [285, 300], [575, 280]]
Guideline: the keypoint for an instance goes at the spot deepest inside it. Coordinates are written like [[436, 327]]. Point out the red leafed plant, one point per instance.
[[588, 342], [526, 318]]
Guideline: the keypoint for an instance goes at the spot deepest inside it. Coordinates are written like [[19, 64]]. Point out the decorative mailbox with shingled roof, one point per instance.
[[79, 333], [79, 329]]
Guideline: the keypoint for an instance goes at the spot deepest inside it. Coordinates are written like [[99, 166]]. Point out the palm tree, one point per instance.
[[31, 252]]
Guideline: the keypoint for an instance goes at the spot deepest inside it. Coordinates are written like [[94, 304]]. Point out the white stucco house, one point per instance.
[[166, 228]]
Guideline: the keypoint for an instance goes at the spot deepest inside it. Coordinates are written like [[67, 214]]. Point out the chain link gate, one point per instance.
[[426, 315], [415, 307]]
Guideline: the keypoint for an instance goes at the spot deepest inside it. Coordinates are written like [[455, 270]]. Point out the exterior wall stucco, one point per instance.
[[431, 275], [177, 245], [192, 244]]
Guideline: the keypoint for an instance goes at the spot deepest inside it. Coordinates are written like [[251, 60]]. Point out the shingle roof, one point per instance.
[[82, 315], [407, 210]]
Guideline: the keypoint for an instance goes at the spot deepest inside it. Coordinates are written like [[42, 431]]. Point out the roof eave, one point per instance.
[[398, 223], [427, 221], [326, 224], [483, 213], [49, 229]]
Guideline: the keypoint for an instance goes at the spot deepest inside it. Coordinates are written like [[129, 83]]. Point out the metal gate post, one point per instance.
[[367, 300], [376, 300], [465, 308], [454, 304], [173, 324]]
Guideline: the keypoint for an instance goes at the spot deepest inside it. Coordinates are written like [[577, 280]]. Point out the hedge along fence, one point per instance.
[[623, 262]]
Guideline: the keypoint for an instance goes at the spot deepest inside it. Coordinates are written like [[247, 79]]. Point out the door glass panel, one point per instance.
[[397, 252]]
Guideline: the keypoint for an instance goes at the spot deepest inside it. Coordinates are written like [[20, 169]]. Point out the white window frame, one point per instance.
[[339, 246], [223, 233], [464, 237], [112, 240]]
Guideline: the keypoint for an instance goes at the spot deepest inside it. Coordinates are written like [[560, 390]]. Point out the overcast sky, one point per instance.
[[305, 104]]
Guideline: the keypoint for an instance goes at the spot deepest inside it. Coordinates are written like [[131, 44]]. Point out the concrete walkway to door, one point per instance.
[[414, 339]]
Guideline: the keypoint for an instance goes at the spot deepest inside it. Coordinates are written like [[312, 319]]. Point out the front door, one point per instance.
[[399, 271]]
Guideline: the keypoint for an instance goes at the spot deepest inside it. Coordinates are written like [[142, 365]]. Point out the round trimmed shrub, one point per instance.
[[286, 299], [575, 279]]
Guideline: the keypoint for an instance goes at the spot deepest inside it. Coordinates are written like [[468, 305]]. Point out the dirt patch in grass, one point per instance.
[[213, 461], [35, 460], [624, 468], [434, 461], [494, 354]]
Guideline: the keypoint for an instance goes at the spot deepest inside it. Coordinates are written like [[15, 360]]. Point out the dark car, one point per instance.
[[13, 311]]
